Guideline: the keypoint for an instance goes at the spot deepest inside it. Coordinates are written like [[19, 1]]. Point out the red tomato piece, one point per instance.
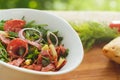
[[115, 24], [14, 47], [14, 25]]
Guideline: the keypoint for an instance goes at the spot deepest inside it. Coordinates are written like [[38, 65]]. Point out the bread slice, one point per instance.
[[112, 50]]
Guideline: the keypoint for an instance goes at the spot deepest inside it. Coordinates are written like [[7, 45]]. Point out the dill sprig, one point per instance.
[[92, 33]]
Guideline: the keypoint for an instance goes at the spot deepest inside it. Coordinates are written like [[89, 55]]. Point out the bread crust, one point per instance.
[[112, 50]]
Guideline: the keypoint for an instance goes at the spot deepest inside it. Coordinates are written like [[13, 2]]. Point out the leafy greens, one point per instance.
[[2, 24], [3, 53]]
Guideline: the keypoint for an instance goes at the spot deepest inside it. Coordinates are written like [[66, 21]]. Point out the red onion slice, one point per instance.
[[20, 34], [34, 43], [48, 38], [3, 37]]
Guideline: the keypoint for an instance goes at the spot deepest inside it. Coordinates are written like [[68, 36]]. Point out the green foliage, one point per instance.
[[45, 61], [32, 35], [110, 5], [3, 53], [13, 34], [94, 33], [2, 24], [65, 54], [33, 53]]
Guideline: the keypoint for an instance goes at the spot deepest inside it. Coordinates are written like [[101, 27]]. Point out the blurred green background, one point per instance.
[[92, 5]]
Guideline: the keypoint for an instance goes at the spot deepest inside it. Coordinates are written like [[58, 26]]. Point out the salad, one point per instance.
[[32, 46]]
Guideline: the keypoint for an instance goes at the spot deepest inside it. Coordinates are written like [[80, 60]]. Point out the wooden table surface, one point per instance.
[[95, 65]]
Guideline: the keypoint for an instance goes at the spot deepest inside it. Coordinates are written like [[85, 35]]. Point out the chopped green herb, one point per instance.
[[32, 35], [12, 34], [59, 38], [32, 53], [2, 24], [65, 54], [29, 24], [45, 61], [3, 53], [23, 18]]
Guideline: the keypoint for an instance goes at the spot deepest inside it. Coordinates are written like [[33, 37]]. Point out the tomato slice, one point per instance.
[[14, 25], [15, 46], [115, 24]]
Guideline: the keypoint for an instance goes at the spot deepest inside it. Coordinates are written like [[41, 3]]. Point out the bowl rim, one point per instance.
[[39, 72]]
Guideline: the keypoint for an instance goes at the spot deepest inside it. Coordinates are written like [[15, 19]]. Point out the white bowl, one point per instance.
[[71, 41]]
